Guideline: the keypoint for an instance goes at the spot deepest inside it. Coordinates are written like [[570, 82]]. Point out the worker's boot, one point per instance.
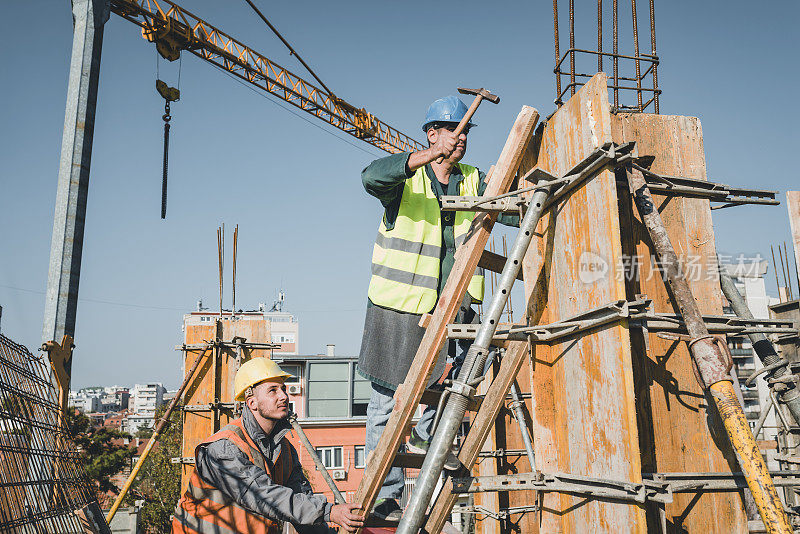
[[417, 445], [388, 510]]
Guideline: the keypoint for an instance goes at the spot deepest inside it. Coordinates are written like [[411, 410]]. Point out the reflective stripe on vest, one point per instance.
[[204, 509], [406, 259]]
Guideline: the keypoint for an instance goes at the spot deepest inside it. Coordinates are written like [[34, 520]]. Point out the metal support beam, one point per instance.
[[66, 247]]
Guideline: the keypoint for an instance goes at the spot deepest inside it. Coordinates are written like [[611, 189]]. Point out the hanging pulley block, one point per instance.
[[170, 94]]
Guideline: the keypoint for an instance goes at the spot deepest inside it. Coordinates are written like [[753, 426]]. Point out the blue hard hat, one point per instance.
[[447, 109]]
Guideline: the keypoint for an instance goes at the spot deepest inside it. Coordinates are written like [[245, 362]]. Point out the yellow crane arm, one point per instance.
[[174, 29]]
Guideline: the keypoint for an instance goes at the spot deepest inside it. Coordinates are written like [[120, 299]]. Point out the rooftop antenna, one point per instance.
[[278, 304]]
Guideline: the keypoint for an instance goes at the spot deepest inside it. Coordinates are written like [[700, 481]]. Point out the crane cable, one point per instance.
[[292, 51]]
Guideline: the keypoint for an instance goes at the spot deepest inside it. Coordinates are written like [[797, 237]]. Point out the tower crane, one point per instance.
[[173, 29]]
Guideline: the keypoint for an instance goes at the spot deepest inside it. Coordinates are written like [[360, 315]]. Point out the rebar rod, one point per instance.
[[558, 54], [337, 495], [474, 362], [162, 423], [653, 52], [572, 45], [788, 271], [615, 49], [636, 61], [775, 270], [600, 35], [712, 368], [783, 273], [788, 392]]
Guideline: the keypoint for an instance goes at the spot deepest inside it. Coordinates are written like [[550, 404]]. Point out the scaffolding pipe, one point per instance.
[[708, 354], [788, 392], [519, 415], [337, 495], [162, 423], [461, 391]]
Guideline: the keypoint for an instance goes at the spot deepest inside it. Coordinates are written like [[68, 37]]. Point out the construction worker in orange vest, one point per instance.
[[248, 477]]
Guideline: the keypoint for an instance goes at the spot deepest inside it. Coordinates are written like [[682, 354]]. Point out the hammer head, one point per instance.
[[485, 93]]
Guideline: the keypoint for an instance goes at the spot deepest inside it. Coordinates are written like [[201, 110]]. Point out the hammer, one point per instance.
[[480, 95]]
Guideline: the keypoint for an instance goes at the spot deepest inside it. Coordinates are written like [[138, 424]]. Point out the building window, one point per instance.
[[294, 370], [331, 457], [328, 386], [361, 393], [360, 458]]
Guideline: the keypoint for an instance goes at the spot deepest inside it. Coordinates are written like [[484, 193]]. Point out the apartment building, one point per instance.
[[748, 275], [330, 399], [147, 398]]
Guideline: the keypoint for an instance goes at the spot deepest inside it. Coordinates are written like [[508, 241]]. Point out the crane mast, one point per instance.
[[174, 29]]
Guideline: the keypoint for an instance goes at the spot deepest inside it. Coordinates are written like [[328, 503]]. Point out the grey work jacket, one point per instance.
[[226, 467]]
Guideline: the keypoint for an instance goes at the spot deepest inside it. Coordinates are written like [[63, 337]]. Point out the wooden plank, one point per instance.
[[410, 392], [583, 407], [793, 205], [673, 413]]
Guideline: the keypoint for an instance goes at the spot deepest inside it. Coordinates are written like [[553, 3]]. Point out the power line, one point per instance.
[[169, 308]]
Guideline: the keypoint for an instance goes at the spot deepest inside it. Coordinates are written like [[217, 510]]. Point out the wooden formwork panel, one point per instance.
[[199, 425], [677, 431], [583, 406]]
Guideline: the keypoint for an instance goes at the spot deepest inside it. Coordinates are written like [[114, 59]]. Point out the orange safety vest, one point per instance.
[[205, 509]]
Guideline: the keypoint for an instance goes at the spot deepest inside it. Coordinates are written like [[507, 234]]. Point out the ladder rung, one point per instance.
[[411, 460], [375, 522], [494, 262]]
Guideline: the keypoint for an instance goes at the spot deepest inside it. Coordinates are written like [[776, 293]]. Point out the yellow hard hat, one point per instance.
[[255, 371]]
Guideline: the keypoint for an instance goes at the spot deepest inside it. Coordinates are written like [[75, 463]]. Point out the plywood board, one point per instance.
[[583, 408], [678, 432], [199, 425]]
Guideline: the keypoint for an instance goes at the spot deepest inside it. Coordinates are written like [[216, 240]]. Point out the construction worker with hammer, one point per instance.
[[247, 477], [411, 260]]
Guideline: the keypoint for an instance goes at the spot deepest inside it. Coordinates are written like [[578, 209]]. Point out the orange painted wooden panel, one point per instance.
[[675, 434], [583, 409], [197, 426]]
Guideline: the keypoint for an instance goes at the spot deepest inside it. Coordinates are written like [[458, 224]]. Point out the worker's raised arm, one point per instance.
[[223, 465], [384, 178]]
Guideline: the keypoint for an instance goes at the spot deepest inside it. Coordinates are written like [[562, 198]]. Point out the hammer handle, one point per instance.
[[463, 124]]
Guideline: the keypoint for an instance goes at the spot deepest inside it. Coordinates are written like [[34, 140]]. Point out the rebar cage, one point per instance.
[[631, 73], [42, 480]]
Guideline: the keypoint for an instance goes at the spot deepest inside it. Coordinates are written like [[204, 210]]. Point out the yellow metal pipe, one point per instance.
[[750, 460], [159, 428]]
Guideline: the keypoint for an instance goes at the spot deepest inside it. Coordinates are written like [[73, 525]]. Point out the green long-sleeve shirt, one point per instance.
[[384, 179]]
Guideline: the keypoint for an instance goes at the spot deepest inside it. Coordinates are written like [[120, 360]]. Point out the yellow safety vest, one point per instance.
[[405, 259]]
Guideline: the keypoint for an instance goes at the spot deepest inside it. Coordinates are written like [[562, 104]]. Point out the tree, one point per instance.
[[104, 449], [159, 481]]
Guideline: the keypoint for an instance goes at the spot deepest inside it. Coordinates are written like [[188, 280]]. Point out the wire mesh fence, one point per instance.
[[42, 481]]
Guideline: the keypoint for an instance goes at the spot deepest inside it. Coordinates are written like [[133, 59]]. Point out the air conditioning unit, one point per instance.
[[294, 389], [338, 474]]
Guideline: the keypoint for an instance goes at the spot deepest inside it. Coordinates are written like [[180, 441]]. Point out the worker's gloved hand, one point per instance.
[[343, 515]]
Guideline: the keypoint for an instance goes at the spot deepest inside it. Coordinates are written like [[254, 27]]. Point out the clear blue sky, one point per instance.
[[305, 222]]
